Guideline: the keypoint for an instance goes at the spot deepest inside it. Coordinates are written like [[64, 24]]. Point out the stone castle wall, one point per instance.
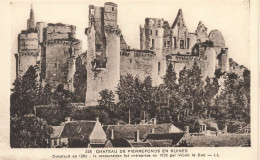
[[60, 48], [28, 51], [236, 68], [103, 78], [59, 31], [103, 69], [138, 63], [25, 60], [113, 59], [181, 61], [110, 15], [208, 61], [27, 41], [40, 27], [223, 60], [56, 55]]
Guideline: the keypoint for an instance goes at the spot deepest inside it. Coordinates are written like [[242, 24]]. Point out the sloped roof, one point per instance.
[[178, 17], [243, 130], [56, 131], [164, 128], [98, 141], [78, 129], [164, 140], [172, 136], [120, 143], [141, 144], [161, 143], [127, 131]]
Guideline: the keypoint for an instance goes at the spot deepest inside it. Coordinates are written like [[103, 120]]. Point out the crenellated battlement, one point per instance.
[[137, 53], [154, 22], [35, 53], [113, 31], [53, 42]]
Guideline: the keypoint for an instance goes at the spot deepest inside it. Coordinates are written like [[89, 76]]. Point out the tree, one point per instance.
[[134, 97], [80, 81], [29, 131], [191, 90], [233, 102], [170, 78], [63, 98], [171, 93], [107, 99], [210, 90], [25, 93], [46, 95]]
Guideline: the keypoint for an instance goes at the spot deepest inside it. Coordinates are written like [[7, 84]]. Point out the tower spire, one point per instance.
[[31, 12], [30, 21]]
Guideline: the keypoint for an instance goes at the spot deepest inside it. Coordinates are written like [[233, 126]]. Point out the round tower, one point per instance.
[[154, 33], [209, 60], [113, 58]]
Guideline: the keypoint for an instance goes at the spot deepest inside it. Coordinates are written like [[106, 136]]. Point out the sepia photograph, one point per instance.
[[130, 79], [82, 79]]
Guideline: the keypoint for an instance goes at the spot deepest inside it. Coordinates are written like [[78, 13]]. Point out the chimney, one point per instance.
[[97, 119], [154, 120], [67, 119], [187, 129], [111, 134], [136, 138]]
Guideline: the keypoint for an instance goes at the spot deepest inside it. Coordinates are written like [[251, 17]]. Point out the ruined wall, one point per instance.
[[102, 78], [110, 15], [71, 71], [192, 41], [113, 59], [181, 61], [142, 38], [223, 60], [57, 53], [236, 68], [92, 94], [123, 44], [138, 63], [98, 15], [59, 31], [154, 32], [201, 32], [103, 58]]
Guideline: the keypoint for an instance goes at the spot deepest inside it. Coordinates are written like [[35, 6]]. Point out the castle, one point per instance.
[[54, 48]]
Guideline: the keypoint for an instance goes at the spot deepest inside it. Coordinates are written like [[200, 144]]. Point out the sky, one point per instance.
[[230, 17]]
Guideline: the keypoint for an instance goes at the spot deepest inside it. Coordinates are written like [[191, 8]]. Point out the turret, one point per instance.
[[110, 15], [30, 21]]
